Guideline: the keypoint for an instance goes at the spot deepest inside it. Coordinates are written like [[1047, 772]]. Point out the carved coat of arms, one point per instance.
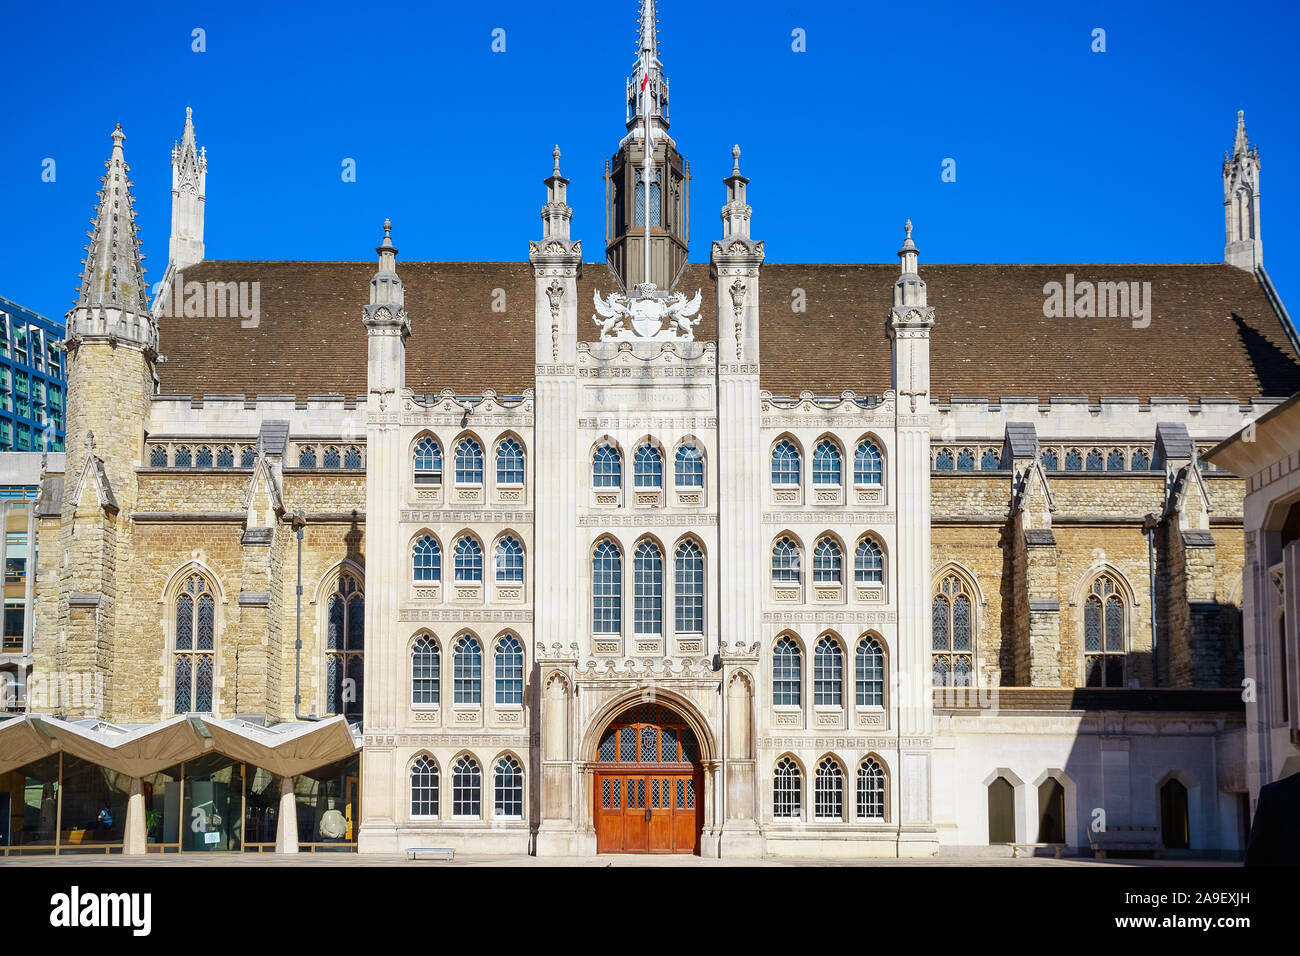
[[646, 316]]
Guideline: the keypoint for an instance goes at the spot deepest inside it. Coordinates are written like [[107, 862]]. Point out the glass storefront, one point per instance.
[[93, 813], [329, 806], [33, 811], [212, 813]]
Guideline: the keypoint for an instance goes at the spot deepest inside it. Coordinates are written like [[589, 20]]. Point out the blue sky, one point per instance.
[[1062, 154]]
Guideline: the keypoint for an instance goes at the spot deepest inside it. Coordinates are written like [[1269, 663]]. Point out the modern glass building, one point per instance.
[[32, 380]]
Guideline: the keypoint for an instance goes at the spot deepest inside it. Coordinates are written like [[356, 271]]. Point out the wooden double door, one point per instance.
[[648, 811]]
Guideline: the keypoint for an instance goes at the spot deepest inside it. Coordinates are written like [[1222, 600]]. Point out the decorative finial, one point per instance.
[[118, 136], [388, 228], [90, 435], [556, 153], [189, 114], [907, 229], [735, 159]]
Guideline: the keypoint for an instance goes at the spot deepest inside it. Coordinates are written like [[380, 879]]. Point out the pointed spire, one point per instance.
[[647, 62], [1244, 247], [1241, 145], [114, 274], [735, 156], [736, 212], [909, 290], [649, 38], [189, 188], [557, 213]]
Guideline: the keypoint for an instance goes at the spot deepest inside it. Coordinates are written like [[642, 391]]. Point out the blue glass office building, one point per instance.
[[33, 387]]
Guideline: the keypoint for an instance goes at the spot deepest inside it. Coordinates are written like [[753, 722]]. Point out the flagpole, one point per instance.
[[645, 106]]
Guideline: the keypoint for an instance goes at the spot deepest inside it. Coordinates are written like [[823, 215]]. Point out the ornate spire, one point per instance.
[[647, 62], [1244, 247], [189, 193], [111, 302], [387, 297], [557, 212]]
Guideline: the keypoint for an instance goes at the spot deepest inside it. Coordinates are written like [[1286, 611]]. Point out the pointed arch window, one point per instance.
[[785, 464], [510, 463], [182, 458], [466, 788], [953, 648], [203, 457], [509, 671], [428, 462], [871, 790], [345, 645], [606, 588], [943, 460], [1049, 460], [965, 460], [1140, 461], [1104, 634], [1073, 460], [688, 590], [868, 464], [785, 562], [424, 788], [426, 672], [827, 562], [786, 790], [869, 563], [647, 589], [508, 789], [648, 467], [828, 674], [158, 456], [469, 560], [352, 457], [306, 457], [828, 796], [606, 467], [469, 462], [654, 197], [1093, 462], [332, 458], [225, 457], [427, 561], [990, 461], [509, 561], [1115, 460], [688, 467], [195, 647], [787, 673], [248, 457], [826, 464], [467, 671], [870, 667]]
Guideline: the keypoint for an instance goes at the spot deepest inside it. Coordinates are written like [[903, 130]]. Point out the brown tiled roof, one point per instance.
[[1212, 332]]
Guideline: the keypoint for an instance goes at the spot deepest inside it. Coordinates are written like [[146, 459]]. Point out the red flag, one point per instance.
[[644, 80]]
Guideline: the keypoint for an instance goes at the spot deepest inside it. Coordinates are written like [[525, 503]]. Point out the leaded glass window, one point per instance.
[[1073, 460], [345, 640], [428, 462], [606, 589], [688, 589], [467, 671], [688, 467], [1140, 461], [785, 562], [203, 457], [827, 562], [606, 467], [509, 671], [225, 457], [828, 795], [158, 456], [306, 457], [868, 464], [182, 458], [466, 788], [870, 667], [647, 589], [786, 789], [1093, 462], [868, 563], [826, 463], [427, 560], [247, 457], [965, 460], [785, 464], [332, 458], [871, 790], [469, 462], [1115, 460], [990, 461], [508, 789], [426, 672], [943, 460], [469, 560], [787, 673], [194, 657], [509, 561], [424, 788], [648, 467], [1104, 634], [510, 463], [951, 634], [352, 457], [828, 674], [1048, 458]]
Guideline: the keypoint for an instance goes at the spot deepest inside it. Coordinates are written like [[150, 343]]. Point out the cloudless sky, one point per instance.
[[1062, 154]]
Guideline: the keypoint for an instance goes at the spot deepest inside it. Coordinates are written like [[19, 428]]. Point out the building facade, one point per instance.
[[32, 380], [648, 555]]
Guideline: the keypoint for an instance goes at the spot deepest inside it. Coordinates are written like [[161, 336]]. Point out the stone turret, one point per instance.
[[189, 190], [1244, 248]]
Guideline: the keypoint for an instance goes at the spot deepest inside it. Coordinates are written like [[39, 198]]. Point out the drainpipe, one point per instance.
[[1149, 526], [298, 521]]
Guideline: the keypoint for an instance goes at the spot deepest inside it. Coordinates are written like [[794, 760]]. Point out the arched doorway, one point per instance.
[[649, 783], [1173, 815], [1002, 811]]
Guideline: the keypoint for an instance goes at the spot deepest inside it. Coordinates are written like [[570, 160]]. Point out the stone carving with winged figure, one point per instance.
[[647, 316]]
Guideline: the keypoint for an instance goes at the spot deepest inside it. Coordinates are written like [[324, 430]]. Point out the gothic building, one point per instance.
[[570, 556]]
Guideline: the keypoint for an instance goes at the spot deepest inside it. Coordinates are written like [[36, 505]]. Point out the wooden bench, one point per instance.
[[431, 853], [1016, 849], [1126, 839]]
